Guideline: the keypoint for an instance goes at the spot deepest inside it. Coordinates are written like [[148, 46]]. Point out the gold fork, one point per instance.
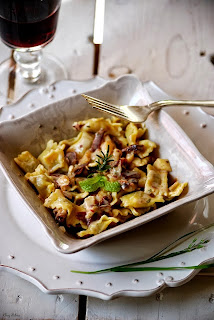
[[139, 114]]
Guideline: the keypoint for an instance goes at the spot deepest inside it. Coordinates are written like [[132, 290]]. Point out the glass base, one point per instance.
[[14, 86]]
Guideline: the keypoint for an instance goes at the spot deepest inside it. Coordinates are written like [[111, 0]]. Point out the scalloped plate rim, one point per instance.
[[99, 294]]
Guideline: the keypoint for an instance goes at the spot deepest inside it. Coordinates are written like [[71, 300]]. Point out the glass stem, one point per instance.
[[28, 63]]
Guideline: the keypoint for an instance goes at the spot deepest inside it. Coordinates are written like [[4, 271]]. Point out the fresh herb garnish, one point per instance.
[[99, 181], [112, 186], [157, 257], [202, 266], [103, 161], [92, 183]]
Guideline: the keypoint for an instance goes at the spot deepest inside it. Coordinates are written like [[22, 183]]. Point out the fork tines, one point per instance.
[[106, 107]]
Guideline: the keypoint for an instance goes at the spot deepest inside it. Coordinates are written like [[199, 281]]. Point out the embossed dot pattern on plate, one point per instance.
[[44, 90], [11, 256], [32, 269], [160, 281], [135, 281], [109, 284], [11, 116], [52, 88], [31, 105], [169, 278]]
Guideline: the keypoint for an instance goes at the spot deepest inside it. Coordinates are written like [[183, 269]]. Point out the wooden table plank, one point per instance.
[[72, 44], [163, 42], [193, 301], [19, 299]]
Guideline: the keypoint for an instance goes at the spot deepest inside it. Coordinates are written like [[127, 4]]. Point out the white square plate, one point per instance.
[[31, 132]]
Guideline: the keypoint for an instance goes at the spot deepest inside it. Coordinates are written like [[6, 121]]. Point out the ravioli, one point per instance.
[[134, 132], [156, 181], [41, 181], [27, 161], [56, 200], [139, 199], [53, 158], [98, 226]]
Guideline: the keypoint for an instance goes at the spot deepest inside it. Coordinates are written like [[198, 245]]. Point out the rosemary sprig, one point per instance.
[[103, 161], [131, 266]]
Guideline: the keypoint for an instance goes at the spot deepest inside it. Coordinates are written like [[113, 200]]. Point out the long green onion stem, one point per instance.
[[194, 245]]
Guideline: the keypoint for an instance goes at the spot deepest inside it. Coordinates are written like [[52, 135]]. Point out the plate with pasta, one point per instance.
[[87, 177]]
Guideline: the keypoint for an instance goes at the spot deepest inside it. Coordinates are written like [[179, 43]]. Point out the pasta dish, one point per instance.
[[106, 175]]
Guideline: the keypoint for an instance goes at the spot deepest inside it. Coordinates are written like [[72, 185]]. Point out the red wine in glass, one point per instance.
[[27, 26], [28, 23]]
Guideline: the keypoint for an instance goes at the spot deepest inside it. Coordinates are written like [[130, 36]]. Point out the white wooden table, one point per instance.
[[171, 43]]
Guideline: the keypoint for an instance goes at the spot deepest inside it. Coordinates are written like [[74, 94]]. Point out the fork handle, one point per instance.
[[189, 103]]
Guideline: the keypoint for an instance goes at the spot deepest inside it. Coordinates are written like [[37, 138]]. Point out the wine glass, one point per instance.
[[27, 26]]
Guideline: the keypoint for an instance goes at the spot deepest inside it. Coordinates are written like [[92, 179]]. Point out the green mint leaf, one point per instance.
[[99, 181], [112, 186], [102, 181], [91, 184], [90, 188]]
